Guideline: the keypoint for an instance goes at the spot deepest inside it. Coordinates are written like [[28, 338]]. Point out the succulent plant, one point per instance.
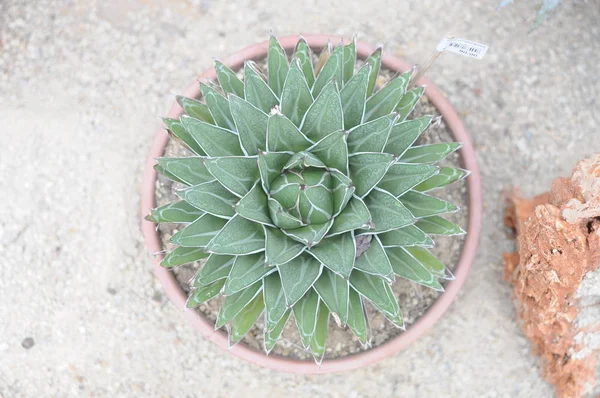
[[545, 9], [290, 171]]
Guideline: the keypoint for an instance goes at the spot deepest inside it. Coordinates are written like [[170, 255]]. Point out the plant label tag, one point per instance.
[[464, 47]]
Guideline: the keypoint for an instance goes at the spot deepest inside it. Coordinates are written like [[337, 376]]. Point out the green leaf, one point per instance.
[[214, 141], [387, 212], [183, 255], [319, 337], [408, 102], [204, 293], [354, 96], [367, 169], [251, 125], [297, 277], [228, 80], [407, 236], [306, 196], [200, 232], [159, 169], [421, 205], [246, 270], [374, 261], [270, 165], [349, 60], [279, 248], [303, 55], [296, 97], [218, 107], [272, 335], [397, 320], [342, 191], [429, 153], [436, 225], [406, 266], [238, 236], [216, 267], [236, 173], [428, 260], [232, 305], [275, 306], [211, 197], [314, 202], [333, 151], [306, 313], [504, 3], [402, 177], [303, 160], [378, 291], [195, 109], [309, 235], [324, 115], [333, 290], [374, 61], [245, 319], [371, 136], [357, 321], [354, 216], [277, 66], [258, 93], [254, 206], [336, 253], [404, 134], [281, 217], [286, 189], [446, 176], [385, 100], [176, 128], [332, 70], [282, 135], [180, 212], [190, 171]]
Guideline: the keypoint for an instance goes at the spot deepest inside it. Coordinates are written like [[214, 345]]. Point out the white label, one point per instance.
[[464, 47]]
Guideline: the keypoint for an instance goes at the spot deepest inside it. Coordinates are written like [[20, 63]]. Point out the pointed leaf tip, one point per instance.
[[278, 65], [325, 115]]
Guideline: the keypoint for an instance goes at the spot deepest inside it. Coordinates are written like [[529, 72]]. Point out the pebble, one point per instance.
[[27, 343]]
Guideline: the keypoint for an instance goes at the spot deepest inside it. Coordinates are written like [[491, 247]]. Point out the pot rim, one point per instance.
[[363, 358]]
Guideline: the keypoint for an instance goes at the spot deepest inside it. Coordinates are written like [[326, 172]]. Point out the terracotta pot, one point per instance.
[[393, 345]]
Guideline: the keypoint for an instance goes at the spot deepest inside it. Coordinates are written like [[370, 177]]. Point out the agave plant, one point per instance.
[[545, 9], [290, 171]]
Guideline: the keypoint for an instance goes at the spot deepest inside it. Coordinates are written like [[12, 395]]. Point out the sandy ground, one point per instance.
[[82, 86]]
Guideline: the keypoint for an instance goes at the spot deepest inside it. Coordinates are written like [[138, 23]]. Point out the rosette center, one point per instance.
[[305, 194]]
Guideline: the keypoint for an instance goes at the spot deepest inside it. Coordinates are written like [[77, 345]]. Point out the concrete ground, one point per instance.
[[82, 86]]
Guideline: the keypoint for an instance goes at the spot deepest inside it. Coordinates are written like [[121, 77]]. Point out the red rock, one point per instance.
[[558, 236]]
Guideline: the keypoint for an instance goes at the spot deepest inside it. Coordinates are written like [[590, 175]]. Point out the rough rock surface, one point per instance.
[[558, 247]]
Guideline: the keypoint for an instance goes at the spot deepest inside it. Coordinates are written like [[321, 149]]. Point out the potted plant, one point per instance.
[[303, 200], [546, 8]]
